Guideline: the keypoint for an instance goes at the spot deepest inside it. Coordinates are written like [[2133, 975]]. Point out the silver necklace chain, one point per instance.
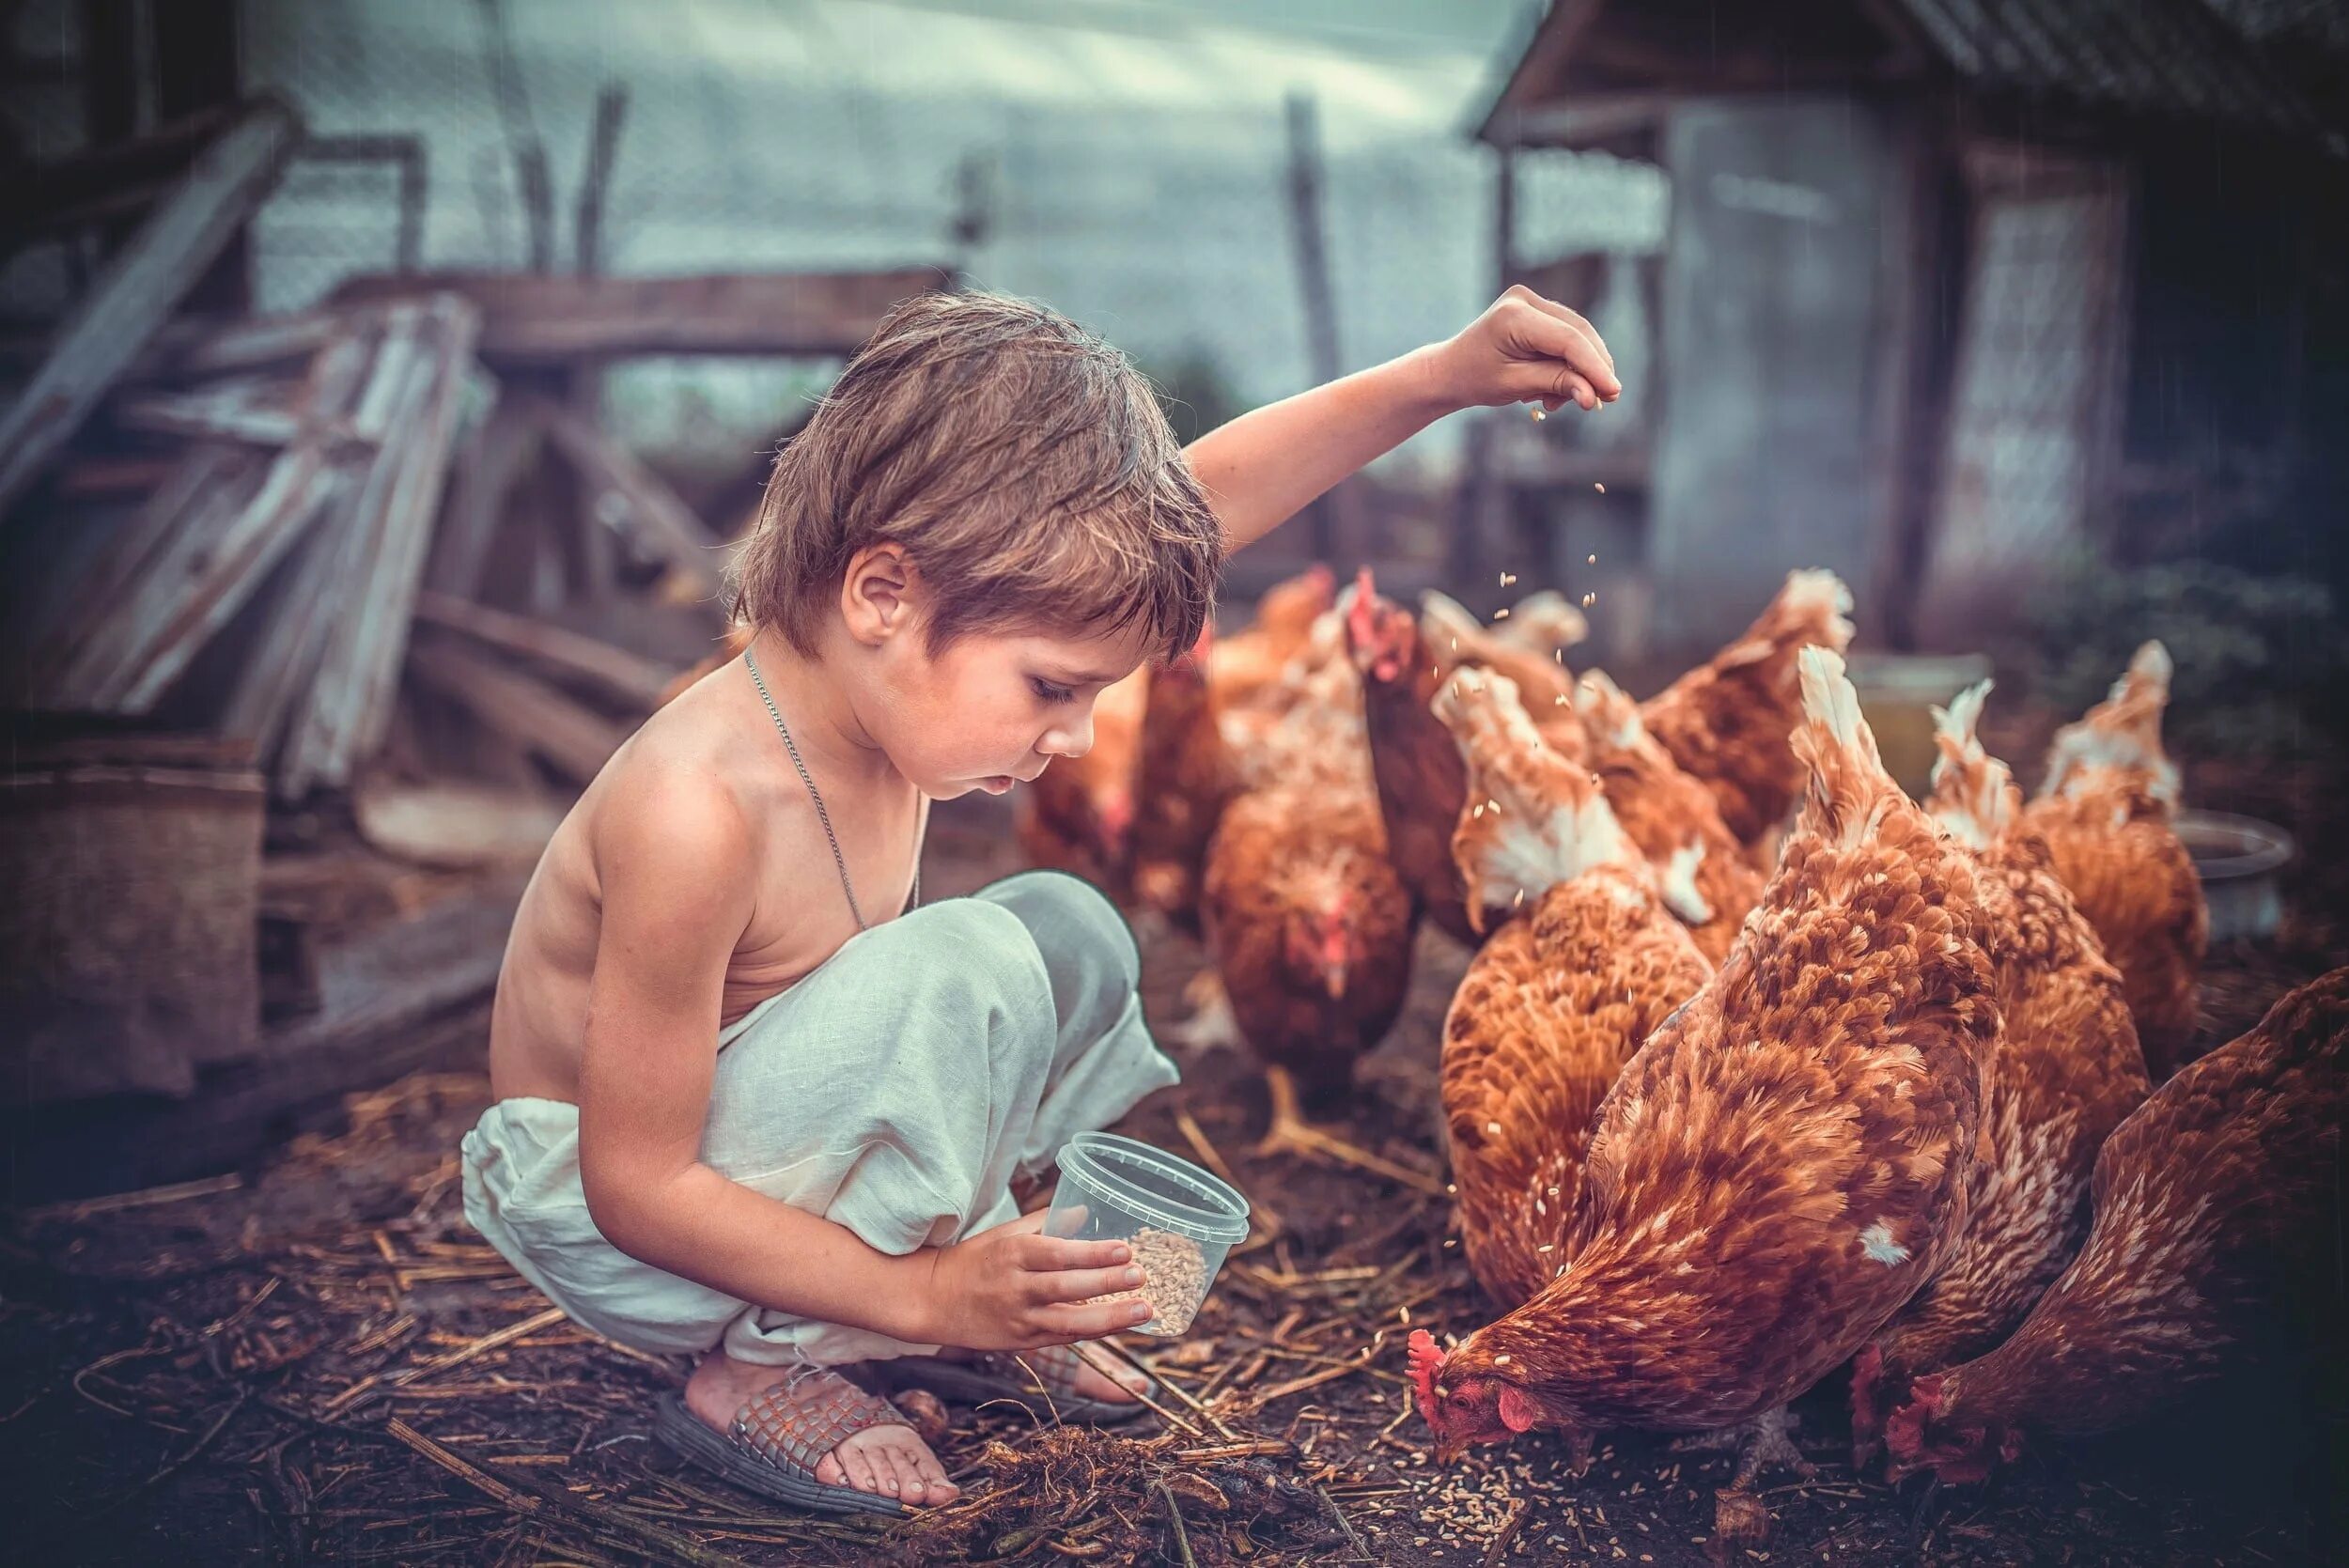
[[816, 794]]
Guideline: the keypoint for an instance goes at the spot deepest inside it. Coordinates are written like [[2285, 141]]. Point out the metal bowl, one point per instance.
[[2240, 860]]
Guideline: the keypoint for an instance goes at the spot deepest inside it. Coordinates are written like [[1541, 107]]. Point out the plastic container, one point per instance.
[[2240, 860], [1179, 1220], [1898, 692]]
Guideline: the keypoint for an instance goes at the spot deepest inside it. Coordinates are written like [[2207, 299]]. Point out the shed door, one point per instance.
[[2033, 401]]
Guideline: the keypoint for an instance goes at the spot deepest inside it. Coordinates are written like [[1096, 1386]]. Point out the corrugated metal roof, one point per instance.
[[2175, 58], [2160, 56]]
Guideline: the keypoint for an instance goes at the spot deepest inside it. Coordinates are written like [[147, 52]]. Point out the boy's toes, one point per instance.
[[937, 1490], [912, 1487]]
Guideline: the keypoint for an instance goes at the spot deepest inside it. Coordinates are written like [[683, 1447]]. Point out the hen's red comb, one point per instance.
[[1905, 1428], [1361, 616], [1426, 1362]]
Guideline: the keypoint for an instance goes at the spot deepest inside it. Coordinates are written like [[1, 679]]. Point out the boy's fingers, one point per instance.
[[1080, 1284], [1067, 1324], [1574, 318], [1564, 341], [1052, 1255]]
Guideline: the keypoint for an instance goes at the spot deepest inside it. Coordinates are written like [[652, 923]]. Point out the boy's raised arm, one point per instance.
[[1266, 466], [670, 859]]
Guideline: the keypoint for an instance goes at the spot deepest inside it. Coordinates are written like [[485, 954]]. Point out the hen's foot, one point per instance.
[[1291, 1134]]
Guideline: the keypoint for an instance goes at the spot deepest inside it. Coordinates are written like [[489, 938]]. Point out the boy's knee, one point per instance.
[[1072, 923]]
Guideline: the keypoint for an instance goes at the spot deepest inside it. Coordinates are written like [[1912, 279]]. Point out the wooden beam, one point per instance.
[[574, 738], [533, 319], [626, 678], [656, 515], [140, 287]]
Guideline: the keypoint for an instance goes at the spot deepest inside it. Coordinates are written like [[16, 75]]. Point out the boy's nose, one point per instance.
[[1072, 742]]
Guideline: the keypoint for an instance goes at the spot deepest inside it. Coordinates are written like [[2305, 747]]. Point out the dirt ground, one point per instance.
[[316, 1360]]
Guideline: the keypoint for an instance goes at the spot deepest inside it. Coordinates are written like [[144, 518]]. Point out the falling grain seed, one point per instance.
[[1601, 488]]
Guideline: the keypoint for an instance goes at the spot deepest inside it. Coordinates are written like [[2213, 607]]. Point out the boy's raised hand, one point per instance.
[[1526, 349], [1014, 1288]]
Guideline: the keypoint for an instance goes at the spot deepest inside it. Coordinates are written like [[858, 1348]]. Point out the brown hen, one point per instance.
[[2067, 1072], [1078, 814], [1305, 919], [1784, 1162], [1185, 778], [2105, 811], [1726, 722], [2216, 1246], [1455, 638], [1421, 780], [1560, 998], [1246, 663], [1705, 876]]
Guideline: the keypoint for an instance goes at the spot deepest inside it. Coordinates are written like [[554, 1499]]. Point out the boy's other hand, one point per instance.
[[1014, 1288], [1526, 349]]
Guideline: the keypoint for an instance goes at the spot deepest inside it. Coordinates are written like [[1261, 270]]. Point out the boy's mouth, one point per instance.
[[998, 784]]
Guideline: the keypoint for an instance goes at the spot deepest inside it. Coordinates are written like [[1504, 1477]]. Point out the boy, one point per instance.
[[743, 1113]]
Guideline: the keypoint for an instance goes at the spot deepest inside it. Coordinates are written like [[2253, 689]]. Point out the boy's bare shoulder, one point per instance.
[[671, 810]]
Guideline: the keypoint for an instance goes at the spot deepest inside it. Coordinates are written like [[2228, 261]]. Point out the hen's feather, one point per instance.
[[1726, 722], [1673, 818], [2106, 812], [1785, 1160], [2218, 1209]]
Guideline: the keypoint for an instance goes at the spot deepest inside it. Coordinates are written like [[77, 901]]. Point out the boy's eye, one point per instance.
[[1049, 693]]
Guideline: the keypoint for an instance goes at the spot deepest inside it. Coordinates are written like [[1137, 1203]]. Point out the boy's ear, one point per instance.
[[876, 594]]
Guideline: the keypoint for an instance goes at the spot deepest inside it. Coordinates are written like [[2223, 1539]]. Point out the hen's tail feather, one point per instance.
[[1812, 609], [2124, 730], [1609, 711], [1847, 777], [1543, 622], [1973, 792]]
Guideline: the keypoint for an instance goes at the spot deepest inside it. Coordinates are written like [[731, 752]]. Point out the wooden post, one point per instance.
[[1338, 516]]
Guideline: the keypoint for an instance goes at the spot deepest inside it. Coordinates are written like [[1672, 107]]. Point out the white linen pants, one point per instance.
[[897, 1090]]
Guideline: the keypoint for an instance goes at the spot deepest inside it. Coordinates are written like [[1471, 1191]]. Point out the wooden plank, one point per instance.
[[534, 319], [240, 411], [656, 515], [90, 600], [629, 677], [139, 287], [499, 451], [393, 404], [415, 503], [572, 738], [284, 665], [209, 573]]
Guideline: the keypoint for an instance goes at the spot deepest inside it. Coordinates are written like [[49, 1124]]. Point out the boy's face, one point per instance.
[[991, 710]]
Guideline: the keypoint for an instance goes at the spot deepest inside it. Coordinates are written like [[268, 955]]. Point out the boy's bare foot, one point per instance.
[[889, 1461]]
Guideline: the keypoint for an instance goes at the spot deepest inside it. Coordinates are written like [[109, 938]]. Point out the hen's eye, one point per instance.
[[1049, 693]]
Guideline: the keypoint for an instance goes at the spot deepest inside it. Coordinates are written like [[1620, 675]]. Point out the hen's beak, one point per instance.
[[1448, 1448], [1334, 977]]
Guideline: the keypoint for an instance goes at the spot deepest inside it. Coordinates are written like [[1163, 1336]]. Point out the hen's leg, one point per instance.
[[1212, 1024], [1739, 1517], [1290, 1133], [1766, 1439]]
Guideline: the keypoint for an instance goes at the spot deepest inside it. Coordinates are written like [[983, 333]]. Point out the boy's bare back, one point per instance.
[[708, 772]]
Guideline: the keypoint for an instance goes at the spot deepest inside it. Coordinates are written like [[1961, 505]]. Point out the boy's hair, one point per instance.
[[1021, 462]]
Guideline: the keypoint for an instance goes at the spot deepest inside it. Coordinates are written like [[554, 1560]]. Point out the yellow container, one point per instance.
[[1898, 692]]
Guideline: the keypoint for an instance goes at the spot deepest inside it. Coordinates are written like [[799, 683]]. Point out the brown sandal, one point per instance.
[[781, 1435]]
